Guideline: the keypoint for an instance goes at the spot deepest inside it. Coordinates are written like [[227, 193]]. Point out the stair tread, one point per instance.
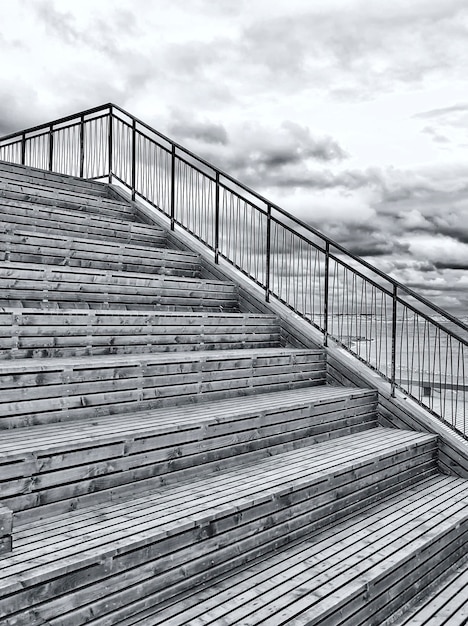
[[74, 251], [33, 195], [114, 528], [97, 362], [314, 579], [29, 184], [8, 269], [80, 215], [445, 605], [19, 444], [128, 247], [24, 170]]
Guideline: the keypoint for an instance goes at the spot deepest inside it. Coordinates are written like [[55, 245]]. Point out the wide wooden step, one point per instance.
[[54, 287], [444, 604], [41, 391], [354, 573], [76, 568], [102, 206], [57, 221], [18, 172], [48, 186], [25, 247], [59, 467], [36, 333]]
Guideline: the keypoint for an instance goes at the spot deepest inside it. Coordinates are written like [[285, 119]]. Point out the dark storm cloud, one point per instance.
[[367, 239], [451, 265]]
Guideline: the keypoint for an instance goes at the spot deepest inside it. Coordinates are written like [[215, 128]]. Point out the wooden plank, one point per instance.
[[23, 247], [139, 442], [52, 189], [235, 483], [48, 285], [105, 207], [38, 173], [43, 193], [267, 584], [153, 590], [63, 389]]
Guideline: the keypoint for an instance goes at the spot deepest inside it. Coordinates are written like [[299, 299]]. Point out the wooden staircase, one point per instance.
[[168, 459]]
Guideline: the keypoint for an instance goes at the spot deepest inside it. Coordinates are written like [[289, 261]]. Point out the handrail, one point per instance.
[[318, 280], [297, 221]]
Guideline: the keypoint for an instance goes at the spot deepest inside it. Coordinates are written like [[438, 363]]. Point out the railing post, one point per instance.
[[216, 237], [133, 157], [110, 146], [23, 149], [268, 254], [394, 327], [173, 157], [81, 146], [51, 147], [326, 293]]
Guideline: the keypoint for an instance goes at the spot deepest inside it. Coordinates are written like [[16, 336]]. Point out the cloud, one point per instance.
[[206, 132], [19, 108], [442, 112], [359, 50]]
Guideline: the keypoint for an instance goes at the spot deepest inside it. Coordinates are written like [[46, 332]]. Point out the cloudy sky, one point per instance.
[[351, 114]]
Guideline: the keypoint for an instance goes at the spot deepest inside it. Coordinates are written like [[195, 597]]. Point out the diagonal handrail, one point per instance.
[[339, 293]]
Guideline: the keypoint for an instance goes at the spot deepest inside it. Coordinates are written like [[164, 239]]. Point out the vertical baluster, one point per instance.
[[23, 149], [268, 254], [133, 180], [173, 155], [51, 147], [81, 146], [216, 237], [326, 294], [110, 144], [394, 327]]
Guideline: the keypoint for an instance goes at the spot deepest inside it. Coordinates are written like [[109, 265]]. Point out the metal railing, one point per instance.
[[417, 347]]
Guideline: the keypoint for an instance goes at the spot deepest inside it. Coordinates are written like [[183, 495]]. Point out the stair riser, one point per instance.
[[150, 591], [100, 207], [78, 224], [438, 594], [40, 334], [48, 288], [27, 248], [63, 394], [18, 172], [6, 526], [56, 484], [208, 541], [402, 582], [38, 186]]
